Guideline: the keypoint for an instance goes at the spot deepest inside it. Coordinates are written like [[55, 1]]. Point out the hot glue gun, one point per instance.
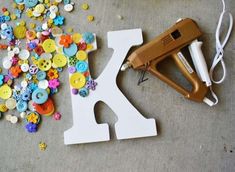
[[184, 33]]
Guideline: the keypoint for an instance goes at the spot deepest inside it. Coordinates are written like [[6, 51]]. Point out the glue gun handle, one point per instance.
[[199, 89], [199, 61]]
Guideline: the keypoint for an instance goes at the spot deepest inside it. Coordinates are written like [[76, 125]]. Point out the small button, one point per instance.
[[44, 64], [40, 8], [33, 69], [77, 80], [5, 92], [68, 7], [24, 67], [76, 37], [14, 120], [3, 108], [39, 96], [21, 106], [49, 46], [43, 84], [20, 32], [82, 66], [41, 75], [11, 103], [81, 55]]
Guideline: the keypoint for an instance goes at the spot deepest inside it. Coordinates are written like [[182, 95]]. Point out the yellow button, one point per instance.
[[3, 108], [76, 37], [40, 8], [59, 60], [5, 92], [77, 80], [89, 47], [81, 55], [49, 46], [44, 64], [20, 32]]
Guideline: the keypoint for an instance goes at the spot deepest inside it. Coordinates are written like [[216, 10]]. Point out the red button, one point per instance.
[[46, 108]]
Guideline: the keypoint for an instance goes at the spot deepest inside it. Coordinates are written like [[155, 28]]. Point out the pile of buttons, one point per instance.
[[33, 72]]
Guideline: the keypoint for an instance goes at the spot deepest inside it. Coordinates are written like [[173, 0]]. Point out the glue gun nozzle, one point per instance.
[[125, 66]]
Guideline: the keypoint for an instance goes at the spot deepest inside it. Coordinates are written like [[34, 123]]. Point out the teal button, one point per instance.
[[21, 106], [71, 50], [30, 3], [82, 66], [39, 96], [41, 75]]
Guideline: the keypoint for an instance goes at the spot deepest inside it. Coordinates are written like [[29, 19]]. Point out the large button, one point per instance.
[[71, 50], [41, 75], [59, 60], [20, 32], [49, 46], [81, 55], [44, 64], [5, 92], [11, 103], [39, 96], [21, 106], [82, 66], [30, 3], [77, 80], [46, 108]]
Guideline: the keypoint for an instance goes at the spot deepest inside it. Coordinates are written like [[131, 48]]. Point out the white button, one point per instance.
[[68, 7], [46, 56], [43, 84], [31, 106], [14, 119], [52, 15], [58, 1], [22, 115], [8, 117], [24, 54], [24, 67], [36, 14], [10, 54], [16, 50], [54, 9], [10, 103], [3, 26], [6, 63], [24, 83], [44, 26]]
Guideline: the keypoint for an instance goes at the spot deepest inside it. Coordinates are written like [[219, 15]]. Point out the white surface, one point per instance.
[[130, 124]]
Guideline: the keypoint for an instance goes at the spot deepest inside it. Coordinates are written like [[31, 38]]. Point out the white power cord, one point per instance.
[[219, 53]]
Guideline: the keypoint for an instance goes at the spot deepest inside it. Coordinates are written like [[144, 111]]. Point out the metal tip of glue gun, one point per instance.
[[125, 66]]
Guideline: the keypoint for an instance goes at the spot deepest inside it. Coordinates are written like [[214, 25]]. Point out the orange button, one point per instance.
[[46, 108]]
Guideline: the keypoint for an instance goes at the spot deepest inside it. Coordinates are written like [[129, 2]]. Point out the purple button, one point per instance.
[[72, 69]]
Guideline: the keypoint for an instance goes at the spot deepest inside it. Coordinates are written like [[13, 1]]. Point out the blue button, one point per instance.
[[82, 66], [41, 75], [39, 96], [83, 92], [88, 37], [26, 96], [19, 1], [30, 3], [71, 50], [21, 106]]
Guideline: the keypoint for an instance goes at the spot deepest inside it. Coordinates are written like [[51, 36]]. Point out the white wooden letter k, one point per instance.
[[130, 124]]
